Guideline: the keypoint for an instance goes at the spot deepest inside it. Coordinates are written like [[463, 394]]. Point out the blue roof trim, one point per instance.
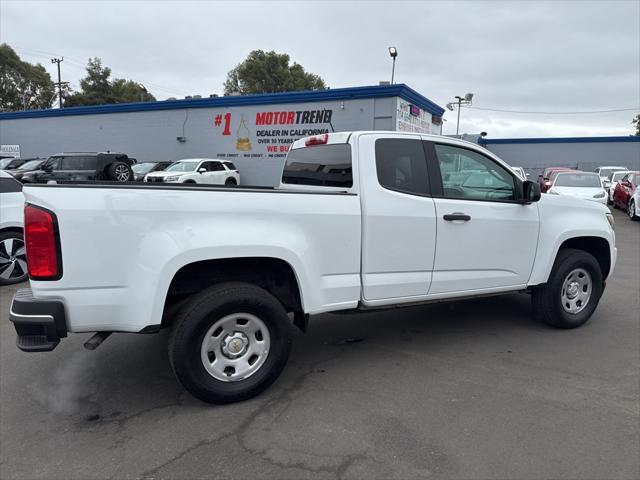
[[377, 91], [498, 141]]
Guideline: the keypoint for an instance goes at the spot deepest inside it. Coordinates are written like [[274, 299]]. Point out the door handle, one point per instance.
[[452, 217]]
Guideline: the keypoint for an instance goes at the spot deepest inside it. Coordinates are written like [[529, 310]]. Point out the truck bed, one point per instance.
[[121, 245]]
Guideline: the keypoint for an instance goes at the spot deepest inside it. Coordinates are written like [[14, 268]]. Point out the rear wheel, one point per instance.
[[119, 172], [229, 342], [13, 259], [230, 181], [573, 291]]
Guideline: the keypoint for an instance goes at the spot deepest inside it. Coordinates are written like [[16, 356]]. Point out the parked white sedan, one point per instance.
[[584, 185], [13, 260], [197, 170]]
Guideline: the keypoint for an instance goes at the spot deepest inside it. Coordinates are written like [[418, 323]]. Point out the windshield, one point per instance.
[[144, 167], [591, 180], [617, 176], [31, 165], [605, 172], [4, 162], [182, 167]]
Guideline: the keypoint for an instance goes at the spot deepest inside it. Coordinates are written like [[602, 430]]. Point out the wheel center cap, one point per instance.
[[234, 345], [572, 290]]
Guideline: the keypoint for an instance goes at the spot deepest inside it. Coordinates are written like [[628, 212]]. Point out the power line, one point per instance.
[[584, 112], [81, 64]]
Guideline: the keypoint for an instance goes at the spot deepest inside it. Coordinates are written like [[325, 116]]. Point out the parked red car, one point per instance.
[[624, 190], [545, 179]]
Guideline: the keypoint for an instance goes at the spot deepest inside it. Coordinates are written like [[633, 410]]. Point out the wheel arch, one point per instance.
[[275, 275], [598, 247], [16, 229]]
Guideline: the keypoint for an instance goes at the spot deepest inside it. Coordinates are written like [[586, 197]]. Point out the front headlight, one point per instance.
[[174, 178], [553, 192], [610, 219], [599, 195]]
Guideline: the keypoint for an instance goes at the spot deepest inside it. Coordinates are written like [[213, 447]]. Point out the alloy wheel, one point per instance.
[[13, 260]]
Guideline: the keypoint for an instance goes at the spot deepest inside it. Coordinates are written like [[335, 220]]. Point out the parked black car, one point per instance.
[[28, 166], [11, 163], [86, 166], [142, 168]]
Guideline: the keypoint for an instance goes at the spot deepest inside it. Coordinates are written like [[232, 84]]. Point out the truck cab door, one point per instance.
[[486, 239], [398, 219]]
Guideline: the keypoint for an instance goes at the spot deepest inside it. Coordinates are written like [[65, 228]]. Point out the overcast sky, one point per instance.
[[527, 56]]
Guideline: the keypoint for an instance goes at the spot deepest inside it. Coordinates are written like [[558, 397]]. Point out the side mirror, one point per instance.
[[47, 168], [531, 192], [202, 170]]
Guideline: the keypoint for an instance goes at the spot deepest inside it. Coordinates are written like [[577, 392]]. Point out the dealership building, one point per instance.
[[254, 131]]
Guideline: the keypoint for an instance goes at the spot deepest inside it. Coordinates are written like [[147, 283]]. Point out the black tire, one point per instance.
[[547, 300], [120, 172], [12, 271], [198, 316], [631, 210], [189, 181], [231, 182]]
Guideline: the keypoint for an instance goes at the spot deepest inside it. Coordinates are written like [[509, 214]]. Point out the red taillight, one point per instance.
[[317, 140], [41, 240]]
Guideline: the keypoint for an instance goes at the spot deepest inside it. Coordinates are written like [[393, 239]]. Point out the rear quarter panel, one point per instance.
[[121, 247]]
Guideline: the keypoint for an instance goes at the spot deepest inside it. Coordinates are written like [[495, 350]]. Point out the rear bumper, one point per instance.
[[39, 323]]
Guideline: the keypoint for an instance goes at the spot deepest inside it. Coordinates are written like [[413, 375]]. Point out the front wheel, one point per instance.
[[573, 291], [631, 210], [229, 342]]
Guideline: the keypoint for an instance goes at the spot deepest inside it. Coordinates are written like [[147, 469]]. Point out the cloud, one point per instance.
[[516, 55]]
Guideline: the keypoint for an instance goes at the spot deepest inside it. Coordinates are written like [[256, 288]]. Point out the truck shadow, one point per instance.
[[117, 389]]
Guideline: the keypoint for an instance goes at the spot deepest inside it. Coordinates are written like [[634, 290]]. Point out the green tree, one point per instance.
[[23, 85], [98, 89], [269, 72], [636, 122]]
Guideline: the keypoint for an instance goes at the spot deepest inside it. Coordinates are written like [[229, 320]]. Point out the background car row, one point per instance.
[[610, 185], [118, 167]]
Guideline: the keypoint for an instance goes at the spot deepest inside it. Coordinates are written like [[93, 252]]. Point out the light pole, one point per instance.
[[143, 91], [393, 51], [466, 100]]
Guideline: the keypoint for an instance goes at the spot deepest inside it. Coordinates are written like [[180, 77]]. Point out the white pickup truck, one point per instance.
[[361, 220]]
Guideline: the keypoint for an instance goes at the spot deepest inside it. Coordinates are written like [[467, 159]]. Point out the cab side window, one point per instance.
[[401, 165], [467, 174]]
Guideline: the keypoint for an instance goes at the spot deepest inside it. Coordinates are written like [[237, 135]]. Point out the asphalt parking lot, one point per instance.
[[475, 389]]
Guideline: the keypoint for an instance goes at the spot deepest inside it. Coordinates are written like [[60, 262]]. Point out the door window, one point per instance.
[[401, 165], [77, 163], [470, 175], [53, 163], [216, 167]]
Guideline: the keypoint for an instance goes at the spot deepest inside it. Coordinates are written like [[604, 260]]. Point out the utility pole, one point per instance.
[[59, 61]]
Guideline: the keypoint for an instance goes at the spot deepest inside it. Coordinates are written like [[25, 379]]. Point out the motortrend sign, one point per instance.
[[266, 133]]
